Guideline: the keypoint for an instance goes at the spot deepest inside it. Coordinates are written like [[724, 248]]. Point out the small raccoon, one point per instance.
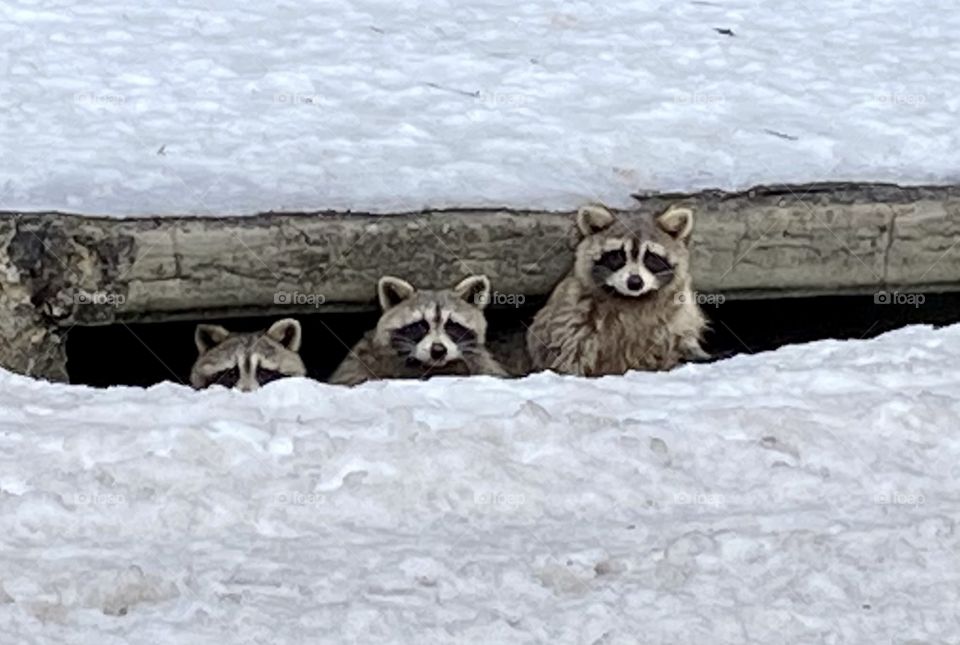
[[246, 360], [424, 333], [627, 303]]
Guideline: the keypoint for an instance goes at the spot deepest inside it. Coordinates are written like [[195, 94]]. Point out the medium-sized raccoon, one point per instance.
[[627, 303], [246, 360], [424, 333]]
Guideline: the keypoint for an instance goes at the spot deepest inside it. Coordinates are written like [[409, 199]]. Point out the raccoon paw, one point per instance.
[[696, 354], [704, 357]]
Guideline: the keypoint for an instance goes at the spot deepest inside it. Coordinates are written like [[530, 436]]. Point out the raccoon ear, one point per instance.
[[286, 332], [475, 290], [209, 336], [392, 291], [593, 218], [677, 222]]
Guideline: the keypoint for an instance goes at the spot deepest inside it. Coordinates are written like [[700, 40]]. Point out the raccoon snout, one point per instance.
[[634, 283], [437, 351]]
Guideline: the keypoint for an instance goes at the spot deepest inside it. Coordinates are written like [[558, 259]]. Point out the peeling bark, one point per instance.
[[30, 340]]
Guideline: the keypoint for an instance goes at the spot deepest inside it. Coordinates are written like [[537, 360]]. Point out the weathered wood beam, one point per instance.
[[65, 269]]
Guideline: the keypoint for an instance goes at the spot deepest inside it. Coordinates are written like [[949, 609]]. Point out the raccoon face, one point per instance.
[[246, 361], [632, 263], [432, 329]]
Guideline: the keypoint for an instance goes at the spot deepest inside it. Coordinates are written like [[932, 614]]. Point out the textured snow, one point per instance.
[[228, 107], [807, 495]]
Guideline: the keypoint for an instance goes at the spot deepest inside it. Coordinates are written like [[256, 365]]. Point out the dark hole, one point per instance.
[[751, 326], [147, 353]]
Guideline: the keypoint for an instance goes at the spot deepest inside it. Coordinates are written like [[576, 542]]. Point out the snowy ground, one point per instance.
[[226, 106], [803, 496]]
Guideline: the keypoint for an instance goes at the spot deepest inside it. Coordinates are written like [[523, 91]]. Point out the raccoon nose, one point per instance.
[[634, 283], [437, 351]]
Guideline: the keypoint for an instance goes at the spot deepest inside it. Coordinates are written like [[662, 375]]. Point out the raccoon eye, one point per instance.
[[656, 263], [265, 376], [458, 333], [414, 332], [226, 378], [613, 260]]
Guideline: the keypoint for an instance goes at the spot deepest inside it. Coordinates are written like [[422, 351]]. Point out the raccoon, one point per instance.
[[627, 303], [423, 333], [246, 361]]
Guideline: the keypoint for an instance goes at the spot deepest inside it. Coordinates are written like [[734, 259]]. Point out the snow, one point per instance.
[[226, 107], [799, 496]]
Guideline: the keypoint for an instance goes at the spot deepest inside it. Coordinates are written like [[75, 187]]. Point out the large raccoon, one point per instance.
[[423, 333], [246, 360], [627, 303]]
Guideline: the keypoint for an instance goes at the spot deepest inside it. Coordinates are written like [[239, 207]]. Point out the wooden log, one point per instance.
[[65, 269]]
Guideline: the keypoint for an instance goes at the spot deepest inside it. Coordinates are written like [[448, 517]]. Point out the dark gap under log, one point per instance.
[[147, 353]]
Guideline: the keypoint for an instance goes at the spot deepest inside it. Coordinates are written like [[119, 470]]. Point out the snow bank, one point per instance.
[[806, 495], [222, 106]]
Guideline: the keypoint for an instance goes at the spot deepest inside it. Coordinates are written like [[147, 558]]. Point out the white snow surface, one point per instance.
[[807, 495], [219, 107]]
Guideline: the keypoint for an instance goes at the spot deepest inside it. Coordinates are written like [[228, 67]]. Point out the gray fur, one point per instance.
[[598, 321], [385, 353], [248, 358]]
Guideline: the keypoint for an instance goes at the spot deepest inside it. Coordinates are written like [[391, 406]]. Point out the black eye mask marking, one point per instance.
[[609, 262], [409, 335], [613, 260], [226, 378], [265, 375], [459, 334], [656, 264]]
